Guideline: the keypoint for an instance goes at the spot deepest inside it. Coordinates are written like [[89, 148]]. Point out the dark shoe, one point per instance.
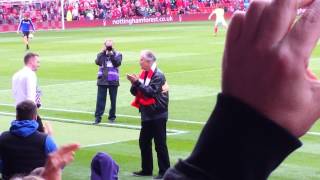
[[96, 122], [141, 173], [112, 120], [160, 176], [28, 47]]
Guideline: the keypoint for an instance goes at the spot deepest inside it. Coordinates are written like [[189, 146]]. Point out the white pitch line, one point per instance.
[[98, 144], [117, 125], [58, 84], [188, 71], [314, 133], [120, 141], [120, 115], [172, 132], [108, 143], [122, 77], [61, 84]]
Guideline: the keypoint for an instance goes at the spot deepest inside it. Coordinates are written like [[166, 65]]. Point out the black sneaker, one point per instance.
[[141, 173], [96, 122], [160, 176], [28, 47]]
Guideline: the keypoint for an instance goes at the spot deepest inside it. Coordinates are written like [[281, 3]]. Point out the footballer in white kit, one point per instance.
[[219, 12]]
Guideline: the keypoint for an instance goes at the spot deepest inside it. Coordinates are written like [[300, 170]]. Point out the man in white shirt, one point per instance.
[[24, 83]]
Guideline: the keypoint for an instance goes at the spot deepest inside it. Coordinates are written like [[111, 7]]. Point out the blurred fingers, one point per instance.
[[305, 34]]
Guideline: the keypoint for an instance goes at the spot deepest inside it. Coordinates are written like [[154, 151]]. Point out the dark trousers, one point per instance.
[[154, 129], [39, 121], [101, 101]]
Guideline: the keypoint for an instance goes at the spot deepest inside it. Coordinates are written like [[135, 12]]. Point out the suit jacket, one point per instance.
[[159, 110]]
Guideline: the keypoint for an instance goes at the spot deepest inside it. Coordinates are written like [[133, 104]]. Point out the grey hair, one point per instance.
[[148, 55]]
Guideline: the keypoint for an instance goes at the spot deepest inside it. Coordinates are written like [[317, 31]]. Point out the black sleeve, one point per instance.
[[116, 59], [236, 143], [98, 60], [154, 87], [133, 90], [1, 163]]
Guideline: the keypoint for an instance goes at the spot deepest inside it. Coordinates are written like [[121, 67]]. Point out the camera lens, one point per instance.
[[109, 48]]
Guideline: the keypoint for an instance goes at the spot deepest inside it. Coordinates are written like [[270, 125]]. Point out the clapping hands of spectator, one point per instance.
[[165, 87], [266, 59], [48, 128], [132, 78], [57, 160]]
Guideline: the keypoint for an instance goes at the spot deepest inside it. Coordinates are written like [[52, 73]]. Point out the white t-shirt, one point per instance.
[[24, 85], [219, 14]]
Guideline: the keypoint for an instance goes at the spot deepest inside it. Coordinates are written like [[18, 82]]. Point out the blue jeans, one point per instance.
[[101, 101]]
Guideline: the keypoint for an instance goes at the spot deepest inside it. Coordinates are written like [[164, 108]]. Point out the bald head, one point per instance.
[[108, 43]]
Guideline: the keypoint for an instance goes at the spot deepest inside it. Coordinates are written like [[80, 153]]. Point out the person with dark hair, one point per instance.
[[25, 26], [26, 110], [109, 60], [24, 83], [269, 97], [23, 148], [152, 99]]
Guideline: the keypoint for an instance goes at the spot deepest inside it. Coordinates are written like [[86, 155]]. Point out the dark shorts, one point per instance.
[[26, 34]]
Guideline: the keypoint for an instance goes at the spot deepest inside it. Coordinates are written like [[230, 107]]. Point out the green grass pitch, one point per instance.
[[189, 55]]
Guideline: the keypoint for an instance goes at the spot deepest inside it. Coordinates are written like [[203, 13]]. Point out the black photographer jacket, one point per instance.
[[102, 58], [237, 143]]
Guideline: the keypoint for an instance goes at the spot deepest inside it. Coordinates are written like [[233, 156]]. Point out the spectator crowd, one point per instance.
[[12, 12], [41, 11]]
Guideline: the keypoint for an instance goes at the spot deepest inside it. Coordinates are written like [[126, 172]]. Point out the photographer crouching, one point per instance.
[[108, 61]]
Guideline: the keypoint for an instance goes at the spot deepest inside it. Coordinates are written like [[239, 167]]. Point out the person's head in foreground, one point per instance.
[[147, 58], [269, 97], [26, 110], [32, 61], [103, 167], [23, 148]]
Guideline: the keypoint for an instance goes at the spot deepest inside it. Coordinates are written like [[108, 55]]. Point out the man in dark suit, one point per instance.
[[152, 101]]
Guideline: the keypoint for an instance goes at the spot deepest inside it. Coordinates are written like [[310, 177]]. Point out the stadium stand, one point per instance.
[[12, 11], [41, 11]]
